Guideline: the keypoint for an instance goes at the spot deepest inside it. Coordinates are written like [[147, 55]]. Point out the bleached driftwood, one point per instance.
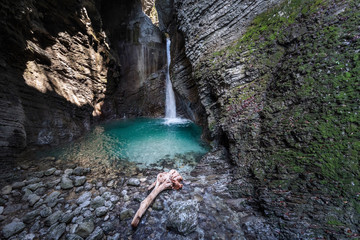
[[165, 180]]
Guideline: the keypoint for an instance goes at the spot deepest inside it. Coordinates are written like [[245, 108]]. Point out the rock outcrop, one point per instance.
[[68, 64], [278, 90]]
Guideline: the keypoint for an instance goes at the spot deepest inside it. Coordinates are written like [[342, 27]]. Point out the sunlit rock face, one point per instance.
[[54, 63], [67, 64]]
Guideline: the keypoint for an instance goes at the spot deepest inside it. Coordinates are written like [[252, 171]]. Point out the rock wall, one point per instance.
[[140, 49], [67, 64], [279, 92], [54, 68]]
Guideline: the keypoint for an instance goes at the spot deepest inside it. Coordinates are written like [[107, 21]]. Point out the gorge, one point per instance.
[[273, 84]]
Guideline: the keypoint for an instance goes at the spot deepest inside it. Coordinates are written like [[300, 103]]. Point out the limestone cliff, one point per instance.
[[280, 92], [67, 64]]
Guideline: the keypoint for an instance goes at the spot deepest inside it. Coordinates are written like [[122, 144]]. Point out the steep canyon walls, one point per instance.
[[66, 64]]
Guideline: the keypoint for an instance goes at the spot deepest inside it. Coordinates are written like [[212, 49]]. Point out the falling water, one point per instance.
[[170, 111]]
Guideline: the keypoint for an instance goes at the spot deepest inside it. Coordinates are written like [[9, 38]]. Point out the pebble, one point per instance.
[[6, 190], [56, 231], [66, 183], [67, 217], [50, 171], [133, 182], [72, 236], [53, 218], [80, 171], [101, 211], [114, 237], [33, 180], [102, 190], [106, 195], [35, 186], [88, 186], [30, 216], [97, 234], [97, 202], [79, 189], [17, 185], [110, 184], [127, 213], [51, 199], [68, 171], [45, 211], [33, 198], [12, 228], [57, 173], [84, 229], [79, 181]]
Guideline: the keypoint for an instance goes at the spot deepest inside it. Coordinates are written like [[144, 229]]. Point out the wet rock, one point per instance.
[[6, 190], [53, 218], [45, 211], [183, 216], [86, 196], [126, 214], [49, 171], [66, 183], [79, 181], [84, 229], [30, 216], [18, 185], [133, 182], [33, 198], [12, 228], [52, 199], [73, 237], [80, 171], [101, 211], [56, 231], [96, 235], [97, 202]]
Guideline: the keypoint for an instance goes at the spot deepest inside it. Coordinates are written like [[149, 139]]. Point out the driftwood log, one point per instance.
[[165, 180]]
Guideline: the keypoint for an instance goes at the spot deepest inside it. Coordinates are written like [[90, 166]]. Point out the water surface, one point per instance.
[[159, 143]]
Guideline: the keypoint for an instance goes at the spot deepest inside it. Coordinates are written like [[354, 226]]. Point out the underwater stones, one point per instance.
[[133, 182], [12, 228], [182, 216]]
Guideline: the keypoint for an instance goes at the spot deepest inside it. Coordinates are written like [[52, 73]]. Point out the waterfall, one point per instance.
[[170, 110]]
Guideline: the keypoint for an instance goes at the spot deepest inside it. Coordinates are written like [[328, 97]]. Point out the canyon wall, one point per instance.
[[278, 82], [68, 64]]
